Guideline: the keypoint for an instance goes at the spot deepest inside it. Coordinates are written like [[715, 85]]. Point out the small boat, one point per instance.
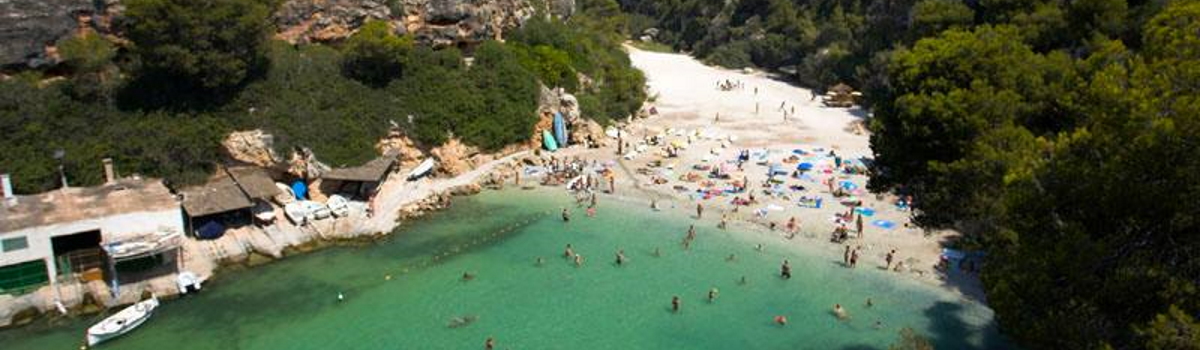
[[122, 322], [338, 205], [421, 169]]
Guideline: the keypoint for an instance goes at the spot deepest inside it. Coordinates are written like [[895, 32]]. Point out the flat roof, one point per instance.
[[221, 194], [125, 196], [373, 171], [254, 181]]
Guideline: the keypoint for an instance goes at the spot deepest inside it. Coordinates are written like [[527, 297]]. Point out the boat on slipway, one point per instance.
[[121, 322]]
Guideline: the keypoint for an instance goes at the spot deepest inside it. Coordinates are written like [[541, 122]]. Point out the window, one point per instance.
[[14, 244]]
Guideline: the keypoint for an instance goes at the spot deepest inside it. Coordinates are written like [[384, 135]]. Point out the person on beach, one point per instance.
[[675, 303], [699, 211], [846, 257], [566, 215], [890, 255], [791, 225], [785, 270], [859, 225], [854, 257], [569, 252]]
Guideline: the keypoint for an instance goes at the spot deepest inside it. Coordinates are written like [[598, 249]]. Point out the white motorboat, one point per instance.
[[421, 169], [338, 205], [122, 322]]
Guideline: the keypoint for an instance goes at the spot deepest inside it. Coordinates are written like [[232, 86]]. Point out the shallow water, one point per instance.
[[497, 236]]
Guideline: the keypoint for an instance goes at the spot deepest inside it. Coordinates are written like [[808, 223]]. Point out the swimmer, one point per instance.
[[489, 344], [467, 276], [657, 252], [566, 216], [743, 281], [569, 252], [620, 257], [540, 261], [781, 320], [869, 303], [785, 270], [341, 297], [578, 260], [731, 257], [840, 312], [878, 324], [387, 277], [712, 295], [675, 303], [758, 247]]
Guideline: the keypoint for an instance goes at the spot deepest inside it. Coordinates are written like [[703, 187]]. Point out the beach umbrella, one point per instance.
[[804, 166]]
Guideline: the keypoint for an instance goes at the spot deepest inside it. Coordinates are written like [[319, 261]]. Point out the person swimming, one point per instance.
[[712, 295], [657, 252], [540, 261], [489, 344], [840, 312], [467, 276], [781, 320], [578, 260], [620, 257], [566, 216], [731, 257], [743, 281], [569, 252], [785, 270], [869, 303], [675, 303]]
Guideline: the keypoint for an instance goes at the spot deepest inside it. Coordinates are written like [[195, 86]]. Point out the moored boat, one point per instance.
[[121, 322]]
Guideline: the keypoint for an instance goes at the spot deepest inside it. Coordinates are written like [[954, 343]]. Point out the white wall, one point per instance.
[[111, 228]]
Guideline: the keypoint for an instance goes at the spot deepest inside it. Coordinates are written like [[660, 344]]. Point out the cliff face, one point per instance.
[[30, 28], [434, 22]]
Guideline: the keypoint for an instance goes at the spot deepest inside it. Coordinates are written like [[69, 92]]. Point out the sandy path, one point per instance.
[[687, 97]]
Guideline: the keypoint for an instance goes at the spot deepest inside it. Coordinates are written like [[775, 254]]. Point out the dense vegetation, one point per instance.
[[1060, 136], [193, 71]]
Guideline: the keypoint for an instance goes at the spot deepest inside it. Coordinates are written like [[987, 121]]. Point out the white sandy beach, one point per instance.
[[688, 101]]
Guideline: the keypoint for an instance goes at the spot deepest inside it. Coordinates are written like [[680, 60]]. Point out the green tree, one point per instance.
[[376, 56], [210, 44], [90, 57]]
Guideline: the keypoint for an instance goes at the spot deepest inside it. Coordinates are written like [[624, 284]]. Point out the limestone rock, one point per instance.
[[433, 22], [408, 153], [30, 27], [587, 130], [304, 164], [251, 147], [454, 157]]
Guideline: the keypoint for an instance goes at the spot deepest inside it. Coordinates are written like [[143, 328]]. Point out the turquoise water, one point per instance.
[[497, 236]]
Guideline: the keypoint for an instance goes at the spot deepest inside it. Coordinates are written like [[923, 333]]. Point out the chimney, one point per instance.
[[9, 198], [110, 175]]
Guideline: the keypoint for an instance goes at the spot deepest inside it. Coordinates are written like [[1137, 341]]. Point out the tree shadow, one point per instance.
[[949, 330]]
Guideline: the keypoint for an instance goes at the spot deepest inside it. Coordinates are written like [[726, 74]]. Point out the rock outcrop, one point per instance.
[[454, 157], [30, 28], [439, 23], [408, 155], [251, 147]]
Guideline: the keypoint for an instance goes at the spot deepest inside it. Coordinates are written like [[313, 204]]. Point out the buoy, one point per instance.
[[387, 277], [341, 297]]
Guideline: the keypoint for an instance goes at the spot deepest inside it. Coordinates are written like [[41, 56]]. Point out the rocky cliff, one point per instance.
[[30, 28]]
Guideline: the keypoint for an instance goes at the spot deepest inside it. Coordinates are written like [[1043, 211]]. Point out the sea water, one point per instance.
[[406, 291]]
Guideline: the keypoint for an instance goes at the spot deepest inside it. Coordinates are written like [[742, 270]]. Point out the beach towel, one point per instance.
[[885, 224], [849, 186], [868, 212]]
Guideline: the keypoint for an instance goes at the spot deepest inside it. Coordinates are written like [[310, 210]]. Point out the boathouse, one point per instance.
[[62, 235], [359, 182], [216, 206]]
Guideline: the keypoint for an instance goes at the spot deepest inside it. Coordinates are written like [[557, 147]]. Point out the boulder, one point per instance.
[[584, 129], [439, 23], [251, 147], [454, 157]]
